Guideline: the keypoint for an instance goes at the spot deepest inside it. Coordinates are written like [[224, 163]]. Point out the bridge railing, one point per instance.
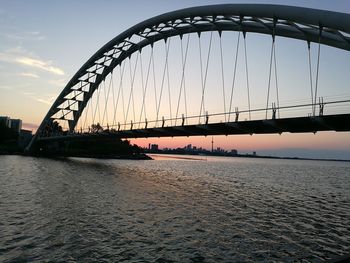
[[273, 112]]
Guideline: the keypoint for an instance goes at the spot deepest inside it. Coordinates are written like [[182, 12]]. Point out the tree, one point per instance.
[[53, 128], [96, 128]]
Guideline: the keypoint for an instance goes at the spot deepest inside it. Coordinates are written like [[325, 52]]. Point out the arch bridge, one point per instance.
[[191, 72]]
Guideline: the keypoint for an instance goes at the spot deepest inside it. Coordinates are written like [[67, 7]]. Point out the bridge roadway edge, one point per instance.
[[339, 123]]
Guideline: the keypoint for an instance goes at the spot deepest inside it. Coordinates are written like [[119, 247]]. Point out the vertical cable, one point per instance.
[[184, 59], [317, 70], [132, 93], [205, 77], [246, 70], [106, 98], [234, 76], [97, 105], [269, 83], [310, 71], [105, 114], [120, 92], [86, 112], [169, 95], [201, 68], [222, 77], [163, 77], [154, 81], [113, 97], [277, 92], [142, 81], [184, 78], [131, 96], [92, 108], [143, 107]]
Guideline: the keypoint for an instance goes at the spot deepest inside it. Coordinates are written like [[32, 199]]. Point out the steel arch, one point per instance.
[[311, 25]]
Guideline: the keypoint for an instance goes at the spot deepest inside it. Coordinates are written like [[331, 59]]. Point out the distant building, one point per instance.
[[154, 147], [16, 125], [234, 152], [24, 138], [6, 121]]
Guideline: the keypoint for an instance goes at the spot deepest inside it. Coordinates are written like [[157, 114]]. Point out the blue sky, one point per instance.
[[43, 43]]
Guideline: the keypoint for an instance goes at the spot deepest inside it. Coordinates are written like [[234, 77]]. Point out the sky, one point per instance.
[[43, 44]]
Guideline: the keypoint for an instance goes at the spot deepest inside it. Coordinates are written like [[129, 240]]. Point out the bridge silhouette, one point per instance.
[[147, 81]]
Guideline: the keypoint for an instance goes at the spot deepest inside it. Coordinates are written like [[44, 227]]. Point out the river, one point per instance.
[[198, 209]]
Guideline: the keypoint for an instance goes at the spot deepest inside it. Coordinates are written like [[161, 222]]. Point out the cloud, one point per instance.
[[19, 56], [30, 75], [30, 35], [43, 65], [6, 57], [30, 126], [58, 82], [48, 100], [6, 87]]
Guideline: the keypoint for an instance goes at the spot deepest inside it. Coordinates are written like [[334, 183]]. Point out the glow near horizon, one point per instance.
[[34, 66]]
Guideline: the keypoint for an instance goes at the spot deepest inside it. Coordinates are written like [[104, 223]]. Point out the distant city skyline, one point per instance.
[[43, 44]]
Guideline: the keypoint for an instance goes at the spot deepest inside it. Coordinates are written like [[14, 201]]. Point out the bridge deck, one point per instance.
[[293, 125]]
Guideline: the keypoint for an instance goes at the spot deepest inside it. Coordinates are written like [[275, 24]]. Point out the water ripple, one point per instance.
[[222, 210]]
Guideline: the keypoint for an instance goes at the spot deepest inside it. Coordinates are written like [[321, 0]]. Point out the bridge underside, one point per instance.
[[293, 125]]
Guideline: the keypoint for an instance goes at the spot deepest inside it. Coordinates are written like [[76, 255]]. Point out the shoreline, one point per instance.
[[145, 156], [94, 156], [251, 156]]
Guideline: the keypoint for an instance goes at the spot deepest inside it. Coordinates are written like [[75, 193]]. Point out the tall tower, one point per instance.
[[212, 143]]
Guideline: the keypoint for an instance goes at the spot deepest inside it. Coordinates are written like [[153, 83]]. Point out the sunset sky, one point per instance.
[[43, 43]]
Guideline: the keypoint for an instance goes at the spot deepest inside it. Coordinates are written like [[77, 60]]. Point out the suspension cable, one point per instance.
[[183, 59], [97, 105], [86, 113], [132, 88], [92, 108], [205, 76], [122, 92], [246, 70], [163, 77], [154, 81], [121, 74], [310, 73], [142, 80], [105, 114], [169, 95], [201, 68], [184, 79], [143, 107], [105, 98], [234, 75], [113, 97], [317, 70], [222, 74], [277, 92], [269, 83], [131, 96]]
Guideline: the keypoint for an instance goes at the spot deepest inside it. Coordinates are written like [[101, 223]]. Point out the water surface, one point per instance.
[[212, 209]]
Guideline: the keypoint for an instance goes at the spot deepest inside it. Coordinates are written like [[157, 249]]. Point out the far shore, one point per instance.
[[245, 156]]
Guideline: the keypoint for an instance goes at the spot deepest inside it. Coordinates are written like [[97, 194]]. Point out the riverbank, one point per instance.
[[245, 156], [140, 156]]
